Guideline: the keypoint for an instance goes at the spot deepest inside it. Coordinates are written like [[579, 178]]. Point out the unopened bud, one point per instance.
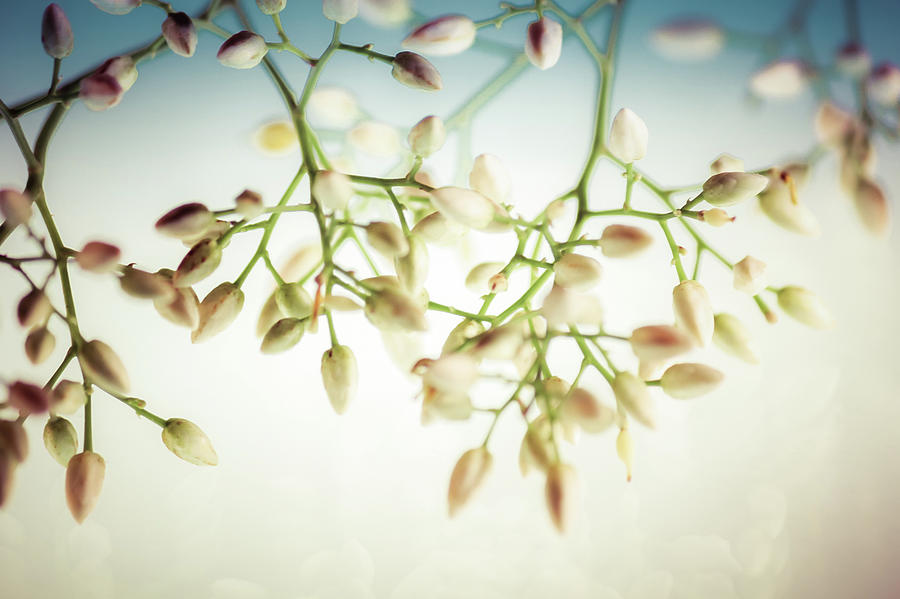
[[56, 32], [116, 7], [750, 275], [104, 367], [243, 50], [716, 217], [332, 107], [872, 206], [657, 343], [293, 300], [478, 278], [583, 409], [60, 439], [726, 189], [339, 376], [833, 124], [200, 262], [437, 228], [375, 138], [182, 309], [688, 380], [341, 303], [146, 285], [427, 136], [621, 241], [277, 138], [778, 201], [577, 272], [386, 13], [271, 7], [340, 11], [564, 306], [218, 310], [461, 333], [446, 406], [283, 335], [188, 442], [628, 136], [180, 34], [543, 43], [689, 40], [498, 343], [803, 305], [625, 451], [412, 268], [13, 440], [452, 373], [99, 91], [332, 189], [15, 207], [84, 482], [468, 475], [693, 311], [443, 36], [67, 397], [34, 309], [39, 344], [884, 84], [387, 239], [726, 163], [186, 221], [98, 257], [853, 60], [634, 395], [122, 69], [732, 337], [781, 79], [490, 178], [392, 310], [465, 206], [562, 494], [414, 71]]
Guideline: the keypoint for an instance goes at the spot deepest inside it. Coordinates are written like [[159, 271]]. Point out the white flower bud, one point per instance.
[[99, 91], [564, 306], [833, 124], [543, 43], [15, 207], [583, 409], [271, 7], [332, 189], [438, 229], [389, 310], [339, 376], [443, 36], [249, 204], [122, 69], [658, 343], [61, 440], [376, 139], [243, 50], [621, 241], [116, 7], [412, 70], [884, 84], [726, 163], [872, 206], [34, 309], [427, 136], [562, 492], [478, 279], [462, 332], [498, 343], [340, 303], [13, 440], [213, 233], [468, 475], [628, 136], [634, 395], [387, 239], [183, 309], [732, 337], [577, 272], [689, 40], [332, 107], [446, 406], [67, 397], [625, 450], [689, 380], [853, 60], [465, 206], [385, 13], [781, 79], [283, 335], [412, 269], [180, 34], [490, 178], [716, 217], [803, 305], [293, 300], [727, 189], [750, 275], [340, 11], [452, 373], [186, 221], [84, 482], [146, 285], [98, 257], [778, 202], [693, 311], [103, 367], [56, 32], [200, 262], [39, 344], [188, 442], [217, 311]]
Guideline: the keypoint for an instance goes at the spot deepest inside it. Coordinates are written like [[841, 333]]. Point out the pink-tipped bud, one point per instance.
[[200, 262], [392, 310], [628, 136], [490, 178], [716, 217], [853, 60], [622, 241], [39, 344], [750, 275], [122, 69], [727, 189], [28, 398], [427, 136], [693, 311], [34, 309], [116, 7], [98, 257], [498, 343], [657, 343], [271, 7], [180, 34], [833, 124], [467, 477], [872, 206], [15, 207], [218, 310], [543, 43], [56, 32], [243, 50], [884, 84], [443, 36], [332, 189], [339, 376], [340, 11], [582, 408], [577, 272], [562, 493], [67, 397], [188, 442], [61, 440], [633, 394], [414, 71], [249, 204], [186, 221], [464, 206], [99, 91], [146, 285], [84, 482], [689, 40], [686, 381], [803, 305], [726, 163], [103, 367], [781, 79]]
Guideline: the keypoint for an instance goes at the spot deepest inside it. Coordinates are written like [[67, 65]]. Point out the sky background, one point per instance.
[[780, 484]]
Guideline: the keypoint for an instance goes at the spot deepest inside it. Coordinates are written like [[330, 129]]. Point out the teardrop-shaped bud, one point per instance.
[[622, 241], [884, 84], [332, 107], [625, 451], [249, 204], [271, 7], [582, 408], [15, 206], [779, 202], [563, 306], [688, 380], [465, 206], [387, 239], [146, 285], [14, 440], [577, 272], [84, 482], [277, 138], [56, 32], [853, 60], [98, 257], [803, 305], [34, 309], [375, 139], [438, 229], [218, 310], [462, 332], [188, 442], [340, 11], [180, 34], [293, 300], [39, 344], [468, 475], [392, 310], [182, 309], [67, 397], [478, 279], [116, 7], [104, 367], [490, 178], [283, 335], [412, 268], [634, 395], [872, 206], [452, 373], [122, 69], [27, 398], [628, 136], [693, 311], [727, 189], [562, 493], [726, 163], [60, 439], [427, 136], [341, 303], [99, 91], [716, 217], [444, 36], [658, 343], [498, 343], [268, 315], [543, 43], [689, 39], [833, 124], [332, 189], [339, 376], [186, 221], [414, 71], [243, 50], [750, 275], [781, 79], [200, 262], [215, 232], [732, 337], [445, 406]]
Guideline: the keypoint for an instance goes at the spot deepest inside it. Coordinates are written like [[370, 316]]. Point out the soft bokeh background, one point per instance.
[[784, 483]]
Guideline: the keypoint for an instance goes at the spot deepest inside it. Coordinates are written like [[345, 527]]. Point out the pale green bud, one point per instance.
[[146, 285], [387, 239], [728, 188], [271, 7], [393, 310], [688, 380], [293, 300], [332, 189], [200, 262], [283, 335], [803, 305], [103, 367], [339, 376], [67, 397], [427, 136], [188, 442], [60, 439], [732, 337], [467, 476], [634, 395], [412, 268], [693, 311], [750, 275]]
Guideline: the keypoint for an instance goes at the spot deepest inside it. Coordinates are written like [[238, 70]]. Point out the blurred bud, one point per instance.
[[628, 136], [621, 241], [375, 139], [781, 79], [340, 11], [727, 189], [385, 13], [716, 217], [392, 310], [277, 138], [726, 163], [750, 275], [468, 475], [217, 311], [271, 7], [465, 206], [185, 221], [339, 376], [120, 68], [543, 42], [436, 228], [8, 466], [56, 32], [693, 311], [689, 40], [498, 343], [98, 257], [116, 7], [803, 305], [414, 71], [180, 34], [564, 306], [200, 262], [332, 189], [872, 206], [478, 279], [188, 442], [427, 136], [146, 285], [462, 332], [583, 409], [103, 367], [685, 381], [490, 178], [387, 239], [60, 439], [215, 232], [340, 303], [625, 450], [27, 398], [333, 107], [15, 207], [84, 482], [39, 344], [452, 373], [182, 309], [412, 268], [243, 50], [14, 440], [293, 300], [67, 397], [443, 36], [778, 201], [884, 84], [283, 335], [853, 60], [833, 124], [733, 338], [634, 395], [577, 272], [99, 91], [268, 315], [34, 309], [562, 494], [446, 406], [657, 343]]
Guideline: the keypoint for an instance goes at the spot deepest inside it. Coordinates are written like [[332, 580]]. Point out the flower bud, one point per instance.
[[803, 305], [243, 50], [577, 272], [15, 207], [427, 136], [583, 409], [446, 406], [563, 306], [277, 138], [8, 466], [188, 442], [468, 475], [414, 71], [716, 217], [217, 311], [685, 381], [84, 482], [853, 60], [269, 314], [444, 36], [98, 257], [146, 285], [490, 178], [562, 494], [628, 136], [689, 40], [186, 221], [67, 397], [39, 344], [461, 333], [633, 394], [60, 439], [464, 206], [778, 202], [271, 7], [478, 279], [333, 108], [543, 43], [56, 32], [182, 309], [120, 68], [374, 138], [726, 163], [34, 309], [387, 239], [412, 268], [452, 373], [180, 34], [884, 84], [293, 300], [103, 367], [438, 229], [693, 311], [200, 262], [750, 275], [781, 79], [283, 335], [498, 343], [658, 343], [99, 91], [872, 206], [833, 124], [13, 440], [341, 303], [215, 232], [621, 241], [332, 189], [388, 309], [732, 337], [727, 189], [340, 11], [386, 13], [339, 376], [116, 7]]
